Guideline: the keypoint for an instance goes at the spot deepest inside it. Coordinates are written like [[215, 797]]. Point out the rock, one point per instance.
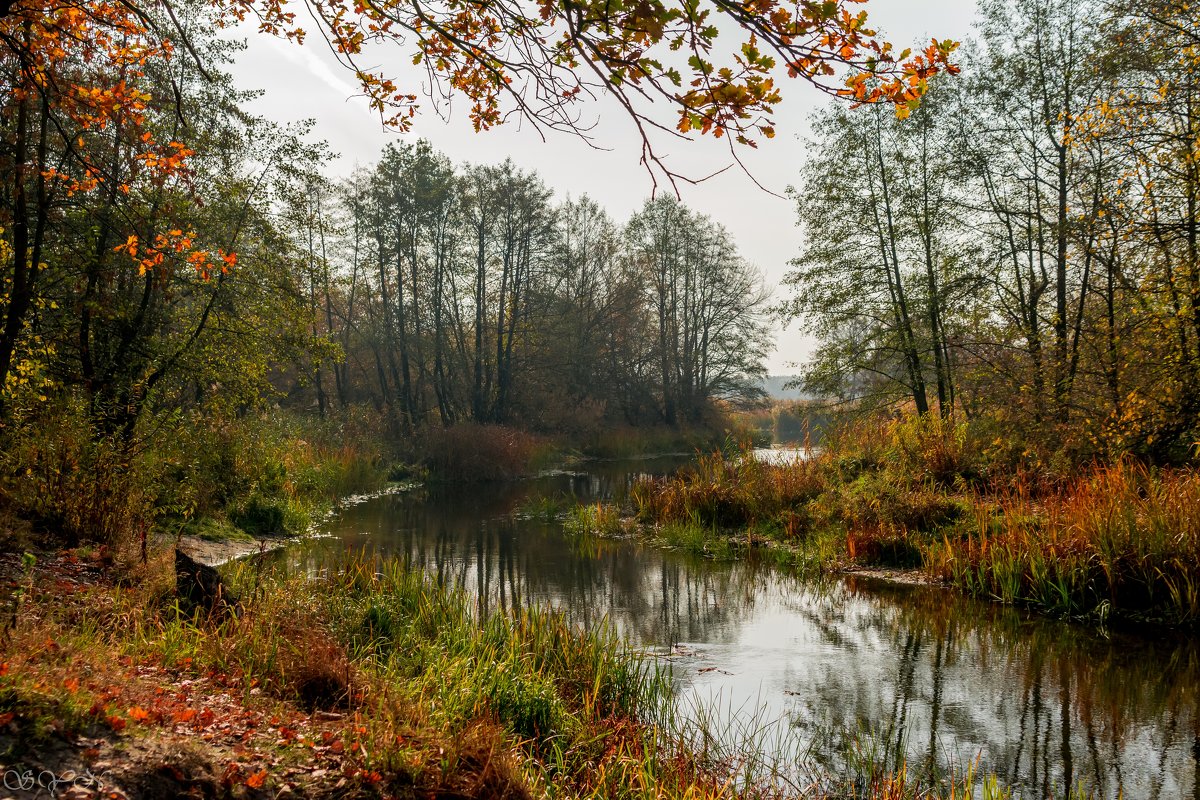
[[199, 587]]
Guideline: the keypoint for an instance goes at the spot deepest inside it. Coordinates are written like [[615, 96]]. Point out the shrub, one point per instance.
[[469, 451], [72, 486]]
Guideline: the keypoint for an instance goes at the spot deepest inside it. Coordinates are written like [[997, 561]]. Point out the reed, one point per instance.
[[1120, 540], [468, 452], [598, 519]]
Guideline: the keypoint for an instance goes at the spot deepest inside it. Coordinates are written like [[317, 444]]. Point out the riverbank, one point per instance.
[[1105, 543], [362, 681]]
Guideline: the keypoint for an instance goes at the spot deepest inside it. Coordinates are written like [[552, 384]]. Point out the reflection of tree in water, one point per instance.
[[1043, 703], [469, 537]]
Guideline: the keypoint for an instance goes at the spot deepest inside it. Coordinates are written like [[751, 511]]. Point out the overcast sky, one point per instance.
[[305, 82]]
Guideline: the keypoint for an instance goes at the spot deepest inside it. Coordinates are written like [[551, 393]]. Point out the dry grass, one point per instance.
[[472, 452], [1123, 539]]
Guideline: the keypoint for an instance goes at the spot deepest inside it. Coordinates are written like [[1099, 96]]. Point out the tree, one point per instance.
[[879, 270], [1044, 215], [125, 271], [706, 304], [539, 63]]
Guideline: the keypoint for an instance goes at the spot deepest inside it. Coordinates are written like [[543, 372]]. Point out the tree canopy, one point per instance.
[[540, 62]]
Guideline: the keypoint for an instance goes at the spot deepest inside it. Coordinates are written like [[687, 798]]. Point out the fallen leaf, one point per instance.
[[256, 780]]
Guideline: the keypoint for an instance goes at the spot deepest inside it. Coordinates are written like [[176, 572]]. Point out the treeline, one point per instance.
[[468, 292], [1021, 250], [164, 252]]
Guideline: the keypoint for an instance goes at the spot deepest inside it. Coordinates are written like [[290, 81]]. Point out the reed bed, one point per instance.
[[1119, 540], [1123, 539]]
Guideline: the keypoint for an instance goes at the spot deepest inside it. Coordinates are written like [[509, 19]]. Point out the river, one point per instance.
[[944, 679]]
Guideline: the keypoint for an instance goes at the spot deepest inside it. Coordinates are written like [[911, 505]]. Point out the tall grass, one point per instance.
[[598, 519], [1124, 539], [469, 451], [627, 441], [73, 486], [1116, 540], [261, 474], [730, 493]]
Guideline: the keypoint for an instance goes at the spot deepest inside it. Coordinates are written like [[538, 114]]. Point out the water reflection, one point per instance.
[[785, 453], [1045, 704]]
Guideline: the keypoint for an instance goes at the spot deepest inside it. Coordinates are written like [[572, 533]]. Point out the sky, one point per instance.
[[305, 82]]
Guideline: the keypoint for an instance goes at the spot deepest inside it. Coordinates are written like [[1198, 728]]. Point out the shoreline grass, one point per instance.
[[362, 679], [1116, 542]]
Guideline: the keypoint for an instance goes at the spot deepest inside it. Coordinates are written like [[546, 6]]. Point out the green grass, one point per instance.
[[212, 529], [543, 508], [597, 519]]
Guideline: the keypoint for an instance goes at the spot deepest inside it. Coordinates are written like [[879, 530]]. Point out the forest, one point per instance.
[[423, 479], [430, 291]]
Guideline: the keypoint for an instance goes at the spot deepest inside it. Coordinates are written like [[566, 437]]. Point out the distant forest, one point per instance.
[[471, 293]]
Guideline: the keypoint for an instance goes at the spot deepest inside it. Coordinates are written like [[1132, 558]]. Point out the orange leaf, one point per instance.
[[139, 714], [256, 780]]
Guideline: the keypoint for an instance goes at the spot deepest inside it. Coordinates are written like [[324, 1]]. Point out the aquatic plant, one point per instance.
[[600, 519]]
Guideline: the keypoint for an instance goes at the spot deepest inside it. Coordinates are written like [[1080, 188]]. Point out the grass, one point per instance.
[[364, 679], [615, 442], [1118, 541], [1124, 539], [597, 519], [218, 478], [214, 530]]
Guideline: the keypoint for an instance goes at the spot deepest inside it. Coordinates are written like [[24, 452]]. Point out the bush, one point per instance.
[[472, 452], [73, 487]]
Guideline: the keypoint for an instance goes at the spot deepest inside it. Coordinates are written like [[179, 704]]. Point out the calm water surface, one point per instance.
[[1045, 704]]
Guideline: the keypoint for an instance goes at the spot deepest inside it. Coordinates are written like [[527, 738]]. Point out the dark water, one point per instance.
[[1044, 704]]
